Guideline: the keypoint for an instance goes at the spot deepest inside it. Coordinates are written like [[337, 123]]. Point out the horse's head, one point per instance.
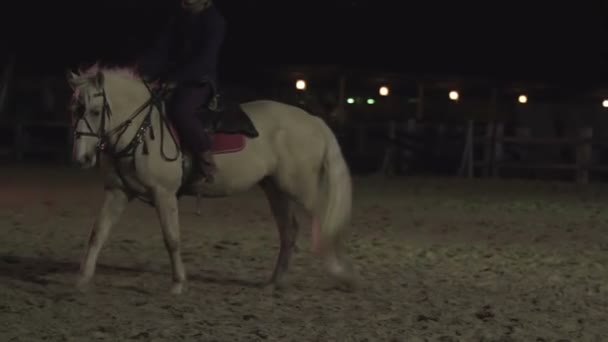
[[90, 116], [102, 101]]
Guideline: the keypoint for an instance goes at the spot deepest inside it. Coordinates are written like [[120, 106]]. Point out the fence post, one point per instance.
[[70, 141], [407, 152], [440, 139], [361, 134], [389, 162], [497, 151], [410, 126], [468, 160], [471, 150], [420, 106], [18, 141], [488, 149], [584, 154]]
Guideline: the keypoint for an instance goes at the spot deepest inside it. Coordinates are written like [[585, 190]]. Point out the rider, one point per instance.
[[186, 53]]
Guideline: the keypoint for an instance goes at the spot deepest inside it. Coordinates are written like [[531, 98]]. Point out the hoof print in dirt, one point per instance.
[[447, 339], [485, 314], [81, 287], [223, 244], [144, 335], [424, 318], [11, 260], [260, 334]]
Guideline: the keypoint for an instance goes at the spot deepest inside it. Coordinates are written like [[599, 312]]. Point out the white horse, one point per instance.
[[295, 158]]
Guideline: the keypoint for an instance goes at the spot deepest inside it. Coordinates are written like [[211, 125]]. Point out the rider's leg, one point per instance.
[[183, 109]]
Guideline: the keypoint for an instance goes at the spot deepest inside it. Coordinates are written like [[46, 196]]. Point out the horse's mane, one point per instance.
[[90, 72], [128, 72]]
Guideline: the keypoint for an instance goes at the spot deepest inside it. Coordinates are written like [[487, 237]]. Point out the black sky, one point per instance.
[[525, 39]]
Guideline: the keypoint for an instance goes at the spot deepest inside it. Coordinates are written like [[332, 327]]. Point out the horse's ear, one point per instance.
[[99, 79], [71, 77]]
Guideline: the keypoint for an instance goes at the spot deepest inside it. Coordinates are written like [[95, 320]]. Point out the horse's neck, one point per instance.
[[144, 109]]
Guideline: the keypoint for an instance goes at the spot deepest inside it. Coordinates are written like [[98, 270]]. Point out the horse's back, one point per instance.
[[274, 109], [295, 136], [267, 114]]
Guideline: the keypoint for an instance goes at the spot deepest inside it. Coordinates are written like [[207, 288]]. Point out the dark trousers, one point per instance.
[[184, 110]]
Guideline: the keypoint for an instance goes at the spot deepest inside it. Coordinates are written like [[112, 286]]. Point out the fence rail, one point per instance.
[[582, 145], [53, 139], [35, 137], [490, 138]]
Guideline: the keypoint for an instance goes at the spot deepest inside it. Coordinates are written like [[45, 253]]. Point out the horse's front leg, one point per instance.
[[115, 201], [167, 209]]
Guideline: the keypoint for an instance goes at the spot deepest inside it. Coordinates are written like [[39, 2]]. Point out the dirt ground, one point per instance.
[[441, 260]]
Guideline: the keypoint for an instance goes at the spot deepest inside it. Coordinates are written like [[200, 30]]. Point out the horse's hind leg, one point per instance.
[[167, 209], [282, 210], [295, 227], [114, 204]]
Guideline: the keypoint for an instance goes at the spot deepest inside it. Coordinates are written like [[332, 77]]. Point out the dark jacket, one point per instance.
[[187, 49]]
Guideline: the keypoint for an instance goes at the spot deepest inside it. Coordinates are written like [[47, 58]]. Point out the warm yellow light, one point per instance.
[[522, 99], [605, 103], [300, 84], [384, 91], [454, 96]]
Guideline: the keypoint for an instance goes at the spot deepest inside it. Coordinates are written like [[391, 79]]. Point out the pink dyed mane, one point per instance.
[[124, 71], [91, 71], [129, 72]]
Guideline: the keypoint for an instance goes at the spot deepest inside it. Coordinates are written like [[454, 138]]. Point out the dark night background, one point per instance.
[[479, 182], [514, 39]]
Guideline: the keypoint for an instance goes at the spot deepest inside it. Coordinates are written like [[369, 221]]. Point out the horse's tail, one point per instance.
[[335, 195]]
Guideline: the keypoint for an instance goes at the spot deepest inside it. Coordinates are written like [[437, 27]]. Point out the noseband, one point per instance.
[[104, 135], [101, 132]]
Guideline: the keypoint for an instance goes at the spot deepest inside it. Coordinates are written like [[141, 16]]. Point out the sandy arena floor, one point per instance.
[[441, 260]]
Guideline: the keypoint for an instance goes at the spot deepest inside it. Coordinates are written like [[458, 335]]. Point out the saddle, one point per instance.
[[216, 117], [227, 125]]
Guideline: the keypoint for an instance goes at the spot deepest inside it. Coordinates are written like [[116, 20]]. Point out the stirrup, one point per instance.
[[216, 104]]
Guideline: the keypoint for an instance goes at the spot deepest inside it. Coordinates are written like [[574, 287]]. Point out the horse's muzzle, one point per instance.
[[86, 161]]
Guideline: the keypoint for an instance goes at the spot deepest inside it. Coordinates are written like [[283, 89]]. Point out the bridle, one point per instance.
[[104, 144], [79, 115]]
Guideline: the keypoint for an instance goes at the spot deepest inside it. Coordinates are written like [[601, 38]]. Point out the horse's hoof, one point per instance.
[[83, 284], [177, 289], [345, 275], [348, 283], [271, 289], [278, 283]]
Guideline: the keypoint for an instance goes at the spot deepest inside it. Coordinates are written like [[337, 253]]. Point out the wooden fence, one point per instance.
[[18, 140], [491, 139], [40, 138], [495, 140]]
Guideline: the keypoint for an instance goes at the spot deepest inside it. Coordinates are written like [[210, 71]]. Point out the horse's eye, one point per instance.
[[95, 112]]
